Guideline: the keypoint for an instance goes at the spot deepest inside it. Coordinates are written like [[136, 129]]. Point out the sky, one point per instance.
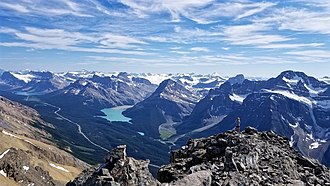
[[256, 38]]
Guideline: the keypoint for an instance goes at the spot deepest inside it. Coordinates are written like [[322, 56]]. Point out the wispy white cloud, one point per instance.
[[260, 35], [300, 20], [291, 45], [64, 40], [111, 40], [72, 48], [209, 60], [199, 49], [202, 12], [14, 6], [235, 9], [180, 52], [311, 53], [182, 35], [47, 8], [316, 3], [255, 8], [251, 34]]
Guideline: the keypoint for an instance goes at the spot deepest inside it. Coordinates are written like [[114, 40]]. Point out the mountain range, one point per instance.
[[168, 109]]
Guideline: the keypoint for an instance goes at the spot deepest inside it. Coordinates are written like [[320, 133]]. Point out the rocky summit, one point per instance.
[[230, 158], [247, 158]]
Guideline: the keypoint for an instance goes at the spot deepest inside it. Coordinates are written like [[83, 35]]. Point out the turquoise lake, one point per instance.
[[115, 114]]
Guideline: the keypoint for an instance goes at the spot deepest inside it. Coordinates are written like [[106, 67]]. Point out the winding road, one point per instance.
[[79, 127]]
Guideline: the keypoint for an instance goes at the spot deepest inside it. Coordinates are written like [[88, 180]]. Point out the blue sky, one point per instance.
[[256, 38]]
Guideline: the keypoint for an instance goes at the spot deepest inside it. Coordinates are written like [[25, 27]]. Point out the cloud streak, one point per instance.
[[202, 12], [64, 40]]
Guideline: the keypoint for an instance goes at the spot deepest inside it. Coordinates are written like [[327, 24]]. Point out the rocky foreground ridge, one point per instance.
[[231, 158], [28, 155]]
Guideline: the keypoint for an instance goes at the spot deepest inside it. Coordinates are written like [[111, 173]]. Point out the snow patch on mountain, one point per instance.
[[26, 168], [317, 131], [3, 173], [294, 80], [291, 142], [9, 134], [314, 91], [75, 91], [58, 167], [12, 135], [293, 96], [4, 153], [237, 98], [294, 125], [24, 77], [84, 83], [314, 145]]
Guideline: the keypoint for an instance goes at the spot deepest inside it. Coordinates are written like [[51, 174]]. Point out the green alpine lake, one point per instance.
[[115, 113]]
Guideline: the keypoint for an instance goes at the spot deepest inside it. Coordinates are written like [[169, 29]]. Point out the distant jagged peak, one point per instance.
[[215, 74], [298, 81], [16, 76], [170, 89], [294, 77], [292, 74], [224, 88], [238, 79], [168, 84]]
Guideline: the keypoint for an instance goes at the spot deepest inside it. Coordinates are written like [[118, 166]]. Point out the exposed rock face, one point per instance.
[[118, 169], [15, 164], [248, 158]]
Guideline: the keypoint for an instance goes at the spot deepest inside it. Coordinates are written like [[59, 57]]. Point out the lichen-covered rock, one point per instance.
[[247, 158], [118, 170]]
